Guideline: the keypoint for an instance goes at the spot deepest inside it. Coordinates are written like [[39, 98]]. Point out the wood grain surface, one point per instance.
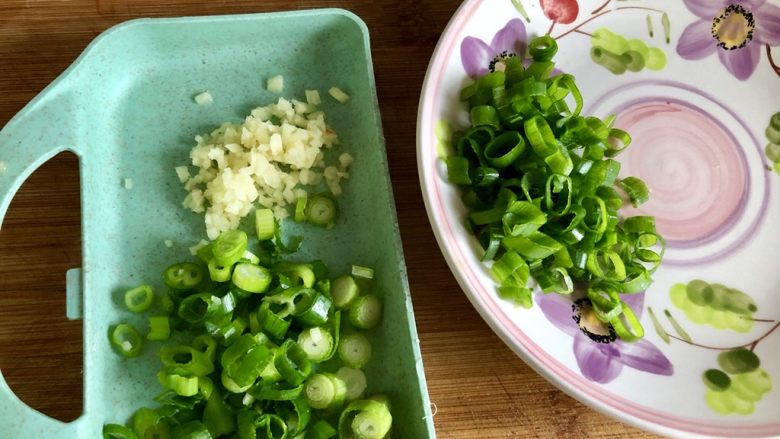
[[480, 388]]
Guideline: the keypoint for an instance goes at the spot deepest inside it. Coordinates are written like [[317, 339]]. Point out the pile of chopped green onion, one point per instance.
[[273, 348], [543, 191]]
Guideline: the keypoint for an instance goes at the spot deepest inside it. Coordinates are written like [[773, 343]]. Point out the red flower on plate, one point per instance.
[[560, 11]]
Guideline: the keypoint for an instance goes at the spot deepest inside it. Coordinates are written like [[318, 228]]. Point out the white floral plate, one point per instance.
[[696, 85]]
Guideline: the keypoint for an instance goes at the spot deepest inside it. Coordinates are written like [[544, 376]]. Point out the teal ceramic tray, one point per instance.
[[125, 108]]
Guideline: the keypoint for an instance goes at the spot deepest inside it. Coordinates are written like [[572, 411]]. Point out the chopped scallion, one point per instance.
[[354, 350], [321, 210], [265, 224], [159, 328], [366, 311], [257, 366], [140, 298], [126, 340], [541, 186], [344, 290]]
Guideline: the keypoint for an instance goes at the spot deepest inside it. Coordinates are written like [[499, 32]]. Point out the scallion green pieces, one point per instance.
[[273, 320], [364, 277], [275, 390], [312, 308], [218, 417], [178, 384], [636, 189], [185, 360], [325, 390], [269, 426], [218, 272], [251, 277], [115, 431], [321, 210], [365, 419], [355, 381], [245, 359], [159, 328], [190, 430], [300, 209], [360, 272], [543, 48], [150, 423], [205, 344], [501, 152], [299, 274], [544, 193], [366, 311], [265, 224], [321, 430], [344, 290], [250, 351], [198, 307], [229, 247], [126, 340], [317, 342], [458, 170], [292, 362], [354, 350], [140, 298], [183, 276]]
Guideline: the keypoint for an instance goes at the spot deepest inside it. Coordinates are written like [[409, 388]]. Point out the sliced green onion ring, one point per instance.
[[140, 298], [126, 340], [183, 276]]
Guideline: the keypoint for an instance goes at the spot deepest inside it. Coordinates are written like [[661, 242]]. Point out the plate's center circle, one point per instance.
[[693, 166]]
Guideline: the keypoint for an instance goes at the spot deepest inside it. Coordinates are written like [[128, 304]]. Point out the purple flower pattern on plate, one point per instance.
[[735, 30], [478, 57], [600, 355]]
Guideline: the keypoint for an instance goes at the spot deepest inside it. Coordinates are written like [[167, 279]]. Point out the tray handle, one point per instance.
[[41, 130]]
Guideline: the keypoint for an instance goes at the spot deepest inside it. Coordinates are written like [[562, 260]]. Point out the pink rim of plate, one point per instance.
[[572, 382]]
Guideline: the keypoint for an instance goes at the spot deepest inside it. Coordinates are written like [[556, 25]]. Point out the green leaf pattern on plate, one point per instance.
[[619, 54], [739, 382], [772, 149], [443, 133], [714, 304], [735, 393]]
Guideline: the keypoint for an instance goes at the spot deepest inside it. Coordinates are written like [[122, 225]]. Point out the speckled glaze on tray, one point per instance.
[[125, 108]]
